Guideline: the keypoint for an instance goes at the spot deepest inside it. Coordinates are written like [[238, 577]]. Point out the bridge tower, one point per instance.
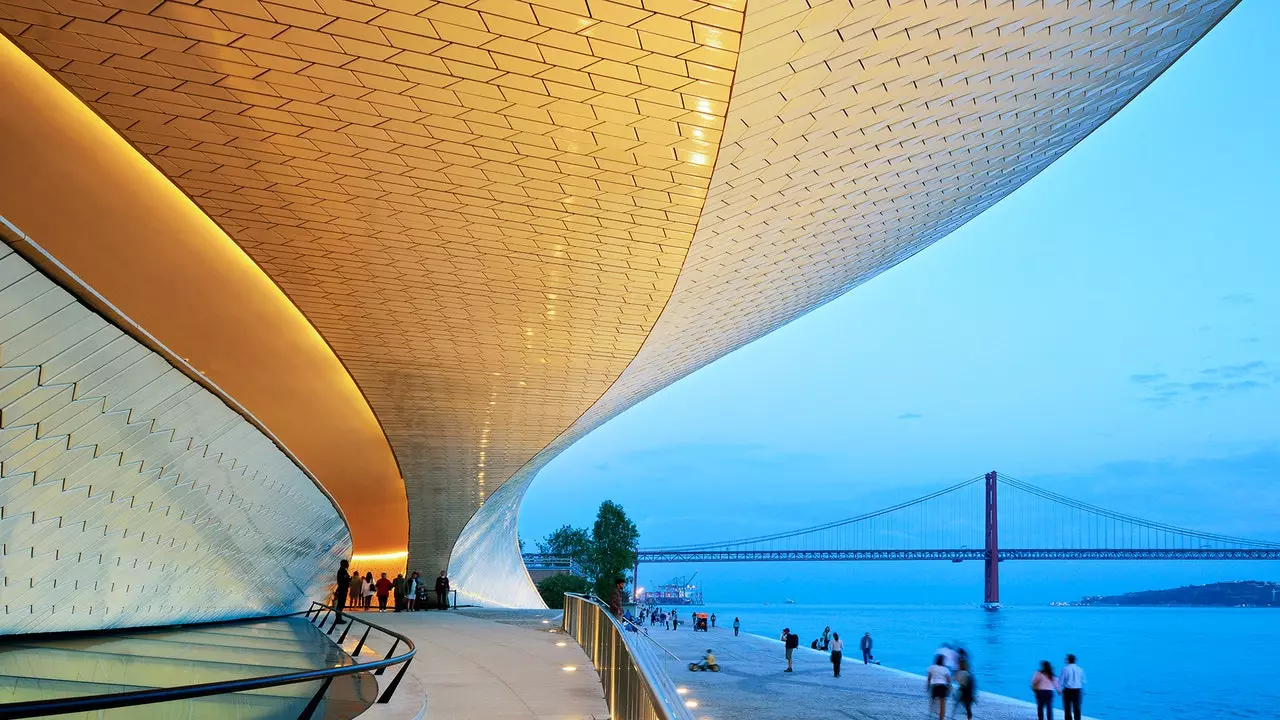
[[991, 593]]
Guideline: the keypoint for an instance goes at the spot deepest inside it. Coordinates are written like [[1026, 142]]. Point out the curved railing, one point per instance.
[[90, 703], [636, 686]]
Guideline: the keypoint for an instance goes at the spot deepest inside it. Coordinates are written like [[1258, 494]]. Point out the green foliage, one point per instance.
[[567, 541], [553, 589], [614, 540], [606, 553]]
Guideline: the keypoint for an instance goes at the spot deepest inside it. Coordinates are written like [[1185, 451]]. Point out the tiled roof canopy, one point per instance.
[[512, 220]]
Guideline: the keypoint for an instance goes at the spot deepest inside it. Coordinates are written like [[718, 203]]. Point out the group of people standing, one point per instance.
[[355, 592], [952, 666], [1069, 684], [827, 642]]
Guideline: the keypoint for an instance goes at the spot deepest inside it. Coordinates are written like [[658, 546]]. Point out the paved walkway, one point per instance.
[[491, 666], [751, 684]]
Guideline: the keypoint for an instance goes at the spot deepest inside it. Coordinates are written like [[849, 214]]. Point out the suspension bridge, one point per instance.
[[990, 518]]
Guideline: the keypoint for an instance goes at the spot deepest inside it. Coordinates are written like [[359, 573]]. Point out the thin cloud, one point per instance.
[[1236, 371], [1209, 383], [910, 416], [1147, 378]]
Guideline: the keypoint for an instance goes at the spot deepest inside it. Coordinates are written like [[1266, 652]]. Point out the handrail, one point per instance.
[[644, 632], [635, 686], [87, 703]]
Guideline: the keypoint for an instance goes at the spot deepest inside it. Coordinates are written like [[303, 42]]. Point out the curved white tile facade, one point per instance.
[[129, 494], [856, 137]]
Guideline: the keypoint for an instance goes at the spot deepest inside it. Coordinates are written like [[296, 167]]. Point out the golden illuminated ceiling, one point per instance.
[[484, 205], [82, 194]]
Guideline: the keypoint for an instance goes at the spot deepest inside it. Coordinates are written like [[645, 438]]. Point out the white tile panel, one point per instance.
[[129, 494]]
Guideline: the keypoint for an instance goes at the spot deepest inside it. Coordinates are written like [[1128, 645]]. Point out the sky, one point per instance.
[[1110, 331]]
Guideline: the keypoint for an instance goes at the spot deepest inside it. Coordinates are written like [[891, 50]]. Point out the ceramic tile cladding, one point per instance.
[[860, 133], [483, 206], [512, 220], [130, 495]]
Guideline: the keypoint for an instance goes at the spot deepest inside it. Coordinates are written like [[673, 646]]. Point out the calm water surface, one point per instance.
[[1141, 663]]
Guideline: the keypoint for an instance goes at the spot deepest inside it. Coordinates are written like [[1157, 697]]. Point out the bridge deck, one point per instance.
[[751, 683]]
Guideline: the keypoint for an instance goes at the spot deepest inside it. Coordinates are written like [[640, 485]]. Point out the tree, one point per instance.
[[614, 540], [567, 541], [552, 589]]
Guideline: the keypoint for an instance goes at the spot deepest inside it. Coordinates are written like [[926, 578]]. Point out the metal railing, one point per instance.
[[90, 703], [636, 686]]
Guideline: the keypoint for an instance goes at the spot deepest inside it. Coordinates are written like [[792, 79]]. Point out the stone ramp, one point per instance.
[[751, 683]]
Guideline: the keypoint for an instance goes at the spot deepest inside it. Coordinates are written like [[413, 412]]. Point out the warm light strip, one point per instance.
[[381, 556]]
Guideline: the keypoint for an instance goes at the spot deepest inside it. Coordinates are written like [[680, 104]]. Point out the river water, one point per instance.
[[1141, 663]]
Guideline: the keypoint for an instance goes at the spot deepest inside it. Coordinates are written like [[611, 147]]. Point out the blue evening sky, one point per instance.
[[1110, 331]]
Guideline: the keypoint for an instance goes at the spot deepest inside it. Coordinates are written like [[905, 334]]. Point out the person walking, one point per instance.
[[397, 590], [383, 589], [837, 653], [616, 598], [366, 590], [1071, 685], [966, 690], [411, 591], [826, 637], [937, 683], [791, 641], [442, 591], [713, 619], [1043, 685], [866, 648], [341, 592], [675, 619], [736, 625]]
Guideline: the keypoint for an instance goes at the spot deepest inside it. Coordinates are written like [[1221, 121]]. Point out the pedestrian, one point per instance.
[[442, 591], [353, 594], [866, 648], [675, 619], [826, 637], [616, 597], [937, 683], [1042, 683], [736, 625], [966, 689], [792, 641], [340, 593], [411, 591], [366, 589], [383, 588], [713, 619], [837, 653], [1071, 685], [950, 658], [397, 590]]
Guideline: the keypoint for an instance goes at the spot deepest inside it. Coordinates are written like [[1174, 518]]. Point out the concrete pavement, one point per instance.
[[751, 683]]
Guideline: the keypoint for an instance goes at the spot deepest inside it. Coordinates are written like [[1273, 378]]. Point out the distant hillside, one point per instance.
[[1247, 593]]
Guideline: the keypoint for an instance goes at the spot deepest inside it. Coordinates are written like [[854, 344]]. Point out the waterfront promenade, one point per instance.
[[751, 683], [491, 665]]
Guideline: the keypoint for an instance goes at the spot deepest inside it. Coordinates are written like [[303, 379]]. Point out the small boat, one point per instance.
[[789, 601]]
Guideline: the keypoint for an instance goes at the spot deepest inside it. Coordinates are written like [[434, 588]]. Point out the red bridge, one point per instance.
[[1037, 525]]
